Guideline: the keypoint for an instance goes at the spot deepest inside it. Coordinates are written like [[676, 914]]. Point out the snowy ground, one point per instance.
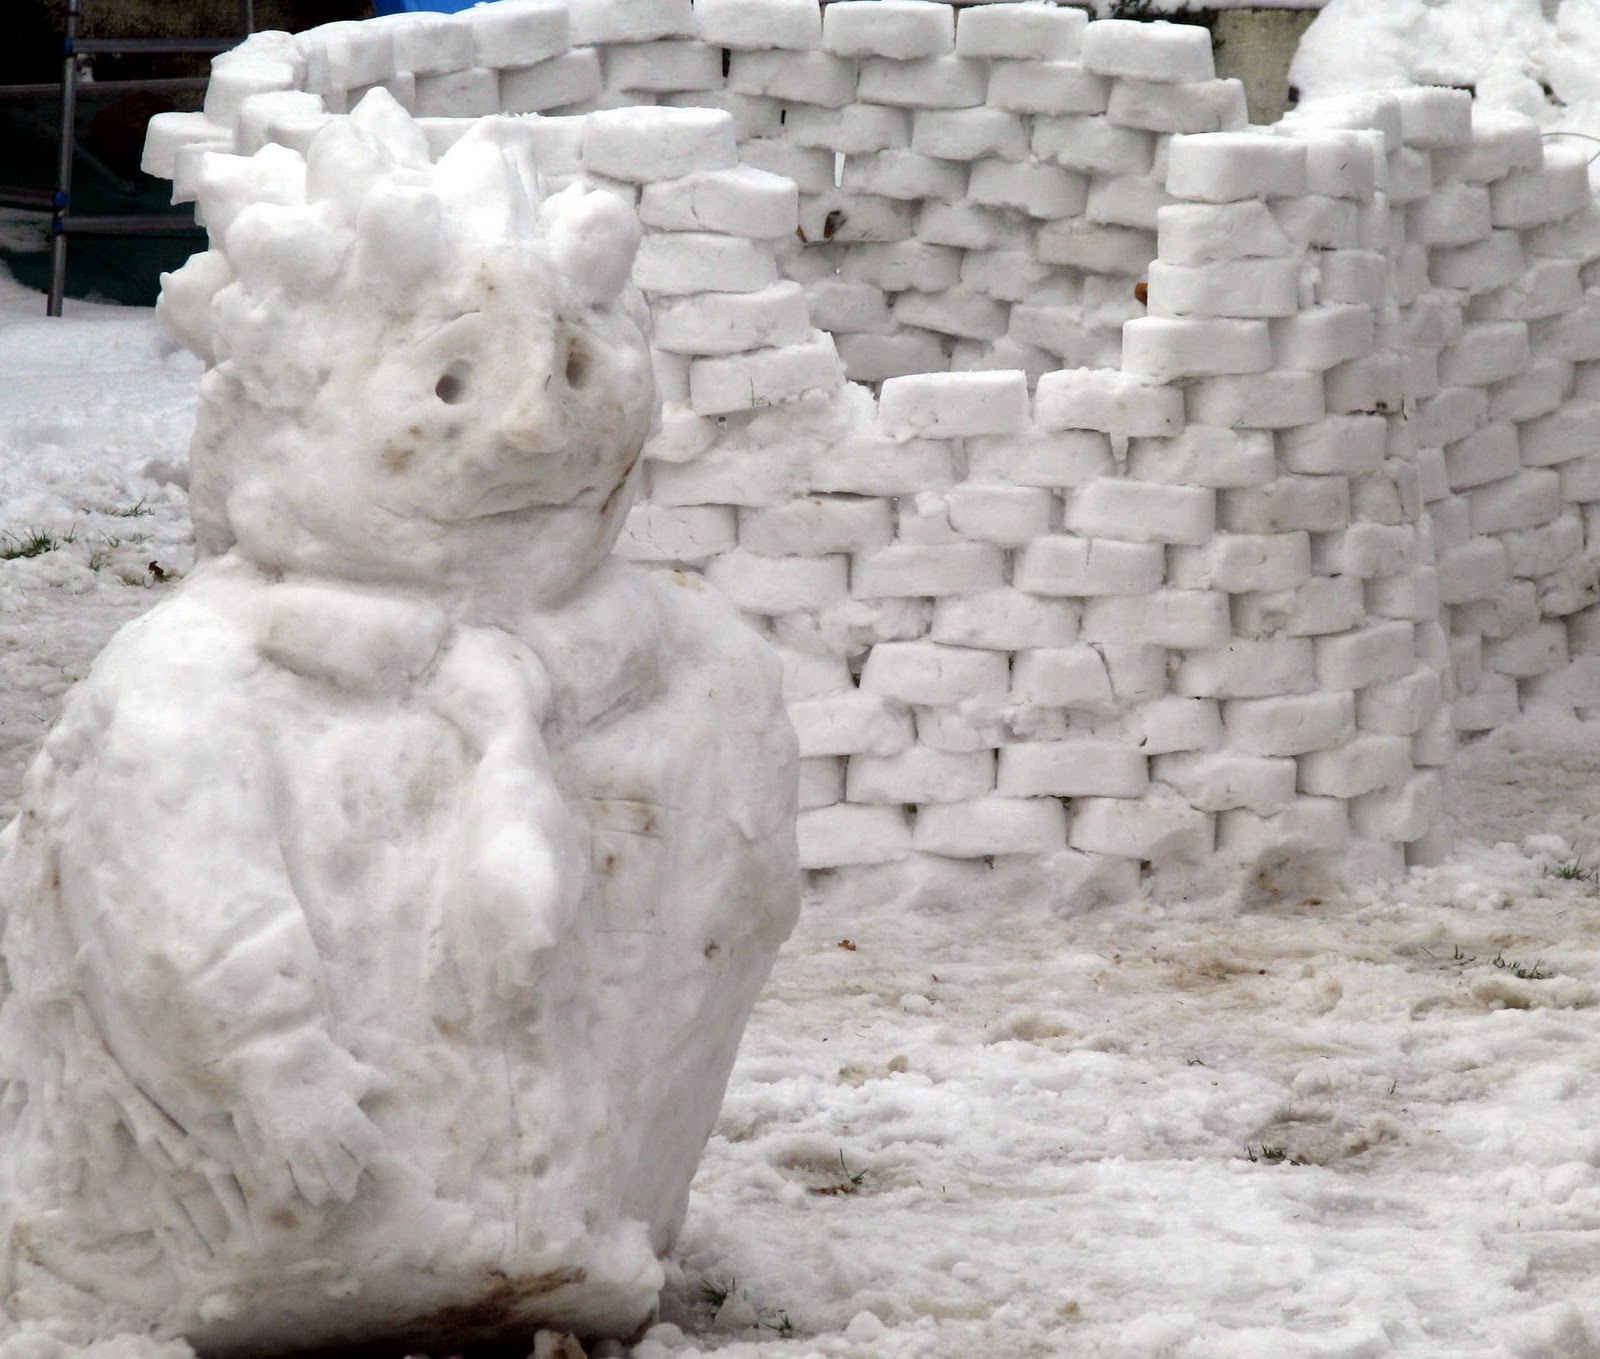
[[1329, 1125]]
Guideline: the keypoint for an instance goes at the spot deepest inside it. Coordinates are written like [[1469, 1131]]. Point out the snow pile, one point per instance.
[[1536, 57], [385, 907]]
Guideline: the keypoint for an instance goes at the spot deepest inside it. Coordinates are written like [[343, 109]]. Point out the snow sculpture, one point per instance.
[[386, 908]]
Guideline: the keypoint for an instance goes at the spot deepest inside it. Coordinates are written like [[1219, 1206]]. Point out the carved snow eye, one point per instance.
[[578, 364], [452, 386]]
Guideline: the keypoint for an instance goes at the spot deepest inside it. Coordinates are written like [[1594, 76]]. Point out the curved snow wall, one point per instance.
[[1218, 476]]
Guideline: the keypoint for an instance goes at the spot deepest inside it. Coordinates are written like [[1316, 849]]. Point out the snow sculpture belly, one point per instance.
[[385, 910]]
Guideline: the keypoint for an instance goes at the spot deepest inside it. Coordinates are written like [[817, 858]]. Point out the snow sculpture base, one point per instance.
[[386, 908]]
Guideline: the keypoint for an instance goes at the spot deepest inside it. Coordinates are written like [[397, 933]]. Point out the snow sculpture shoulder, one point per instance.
[[386, 908]]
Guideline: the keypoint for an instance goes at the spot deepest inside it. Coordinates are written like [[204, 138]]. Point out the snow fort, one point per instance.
[[1126, 487], [385, 910]]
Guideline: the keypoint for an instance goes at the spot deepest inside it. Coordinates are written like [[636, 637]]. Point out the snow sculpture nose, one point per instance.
[[532, 424]]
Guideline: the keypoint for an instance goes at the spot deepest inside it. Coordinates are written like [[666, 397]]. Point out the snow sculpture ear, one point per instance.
[[592, 236], [480, 181], [227, 185], [297, 249], [381, 119], [342, 165], [402, 243]]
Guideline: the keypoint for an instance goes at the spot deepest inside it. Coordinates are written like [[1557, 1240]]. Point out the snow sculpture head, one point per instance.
[[415, 368]]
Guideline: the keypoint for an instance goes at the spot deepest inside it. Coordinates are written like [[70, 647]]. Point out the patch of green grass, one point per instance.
[[1271, 1155], [1573, 870], [1524, 971], [715, 1292], [132, 511], [852, 1181], [30, 543]]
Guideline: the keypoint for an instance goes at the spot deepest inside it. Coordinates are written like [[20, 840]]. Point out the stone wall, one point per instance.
[[1196, 483]]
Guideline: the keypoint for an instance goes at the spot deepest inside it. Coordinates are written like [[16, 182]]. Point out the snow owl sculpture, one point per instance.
[[386, 907]]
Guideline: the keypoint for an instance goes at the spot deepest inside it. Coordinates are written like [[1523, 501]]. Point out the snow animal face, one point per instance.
[[408, 356]]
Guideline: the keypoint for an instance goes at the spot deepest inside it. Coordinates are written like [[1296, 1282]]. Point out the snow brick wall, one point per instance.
[[1124, 485]]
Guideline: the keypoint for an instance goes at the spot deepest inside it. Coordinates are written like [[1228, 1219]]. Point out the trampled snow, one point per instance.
[[1306, 1124]]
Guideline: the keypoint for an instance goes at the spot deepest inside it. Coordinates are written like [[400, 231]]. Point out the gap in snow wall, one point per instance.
[[1195, 486]]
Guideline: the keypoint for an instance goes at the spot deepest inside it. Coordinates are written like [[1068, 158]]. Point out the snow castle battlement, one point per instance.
[[1122, 484]]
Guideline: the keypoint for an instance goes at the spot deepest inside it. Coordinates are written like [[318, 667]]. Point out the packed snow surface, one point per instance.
[[1319, 1124]]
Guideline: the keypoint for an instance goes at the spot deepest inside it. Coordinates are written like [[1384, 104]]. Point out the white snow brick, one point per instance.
[[1493, 262], [1221, 167], [640, 145], [905, 570], [971, 227], [1540, 551], [1362, 276], [1321, 337], [1290, 724], [1010, 275], [1320, 823], [1083, 566], [927, 82], [1402, 813], [742, 24], [1570, 432], [1363, 656], [1453, 214], [1045, 191], [1410, 174], [1472, 570], [872, 358], [1140, 512], [168, 133], [1556, 189], [814, 526], [1399, 707], [1022, 31], [764, 377], [728, 323], [1205, 455], [810, 676], [832, 837], [1575, 335], [1072, 768], [1201, 106], [898, 265], [1411, 594], [902, 29], [930, 673], [920, 774], [1373, 382], [855, 722], [1321, 222], [1062, 677], [1097, 248], [991, 826], [1107, 400], [811, 168], [1521, 502], [956, 311], [966, 727], [1451, 415], [969, 133], [518, 32], [1247, 668], [1434, 116], [1487, 454], [1436, 743], [821, 782], [1244, 287], [1157, 829], [953, 405], [804, 77], [1239, 562], [1219, 782], [1316, 504], [1502, 141], [566, 79], [1138, 671], [1171, 347], [1323, 605], [1535, 652], [1492, 704], [1340, 445], [674, 533], [1171, 53], [1046, 87], [778, 585], [1201, 233], [1043, 458], [1010, 516], [848, 308], [1162, 725], [1432, 482], [1366, 550], [1488, 351], [696, 262], [737, 202], [903, 174], [239, 75], [611, 21], [1062, 333], [1362, 764], [458, 94], [1093, 143], [852, 130], [1004, 619], [1542, 288], [1271, 400], [1126, 200], [846, 217], [1344, 164], [1191, 620]]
